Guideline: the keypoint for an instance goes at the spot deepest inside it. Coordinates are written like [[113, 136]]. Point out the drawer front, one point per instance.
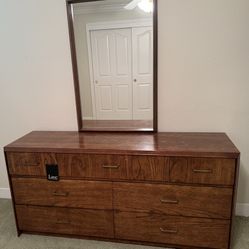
[[95, 166], [25, 164], [174, 230], [97, 223], [33, 164], [202, 171], [149, 168], [64, 193], [208, 202]]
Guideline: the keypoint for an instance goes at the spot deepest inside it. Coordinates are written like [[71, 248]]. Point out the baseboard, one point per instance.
[[5, 193], [242, 209], [87, 118]]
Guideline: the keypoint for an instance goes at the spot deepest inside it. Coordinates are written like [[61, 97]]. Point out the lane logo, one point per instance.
[[52, 172]]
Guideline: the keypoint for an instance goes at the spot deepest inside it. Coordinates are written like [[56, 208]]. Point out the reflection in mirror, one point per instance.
[[114, 50]]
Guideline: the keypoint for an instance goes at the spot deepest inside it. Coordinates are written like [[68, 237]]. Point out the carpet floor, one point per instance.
[[9, 240]]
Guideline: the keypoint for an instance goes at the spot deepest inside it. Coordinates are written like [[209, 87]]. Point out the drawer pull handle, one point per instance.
[[169, 201], [28, 164], [60, 194], [168, 230], [62, 222], [110, 166], [206, 171]]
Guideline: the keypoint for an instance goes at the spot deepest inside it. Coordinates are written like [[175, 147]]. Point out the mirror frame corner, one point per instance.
[[69, 4]]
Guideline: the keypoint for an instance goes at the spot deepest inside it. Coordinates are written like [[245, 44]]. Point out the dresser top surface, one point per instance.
[[179, 144]]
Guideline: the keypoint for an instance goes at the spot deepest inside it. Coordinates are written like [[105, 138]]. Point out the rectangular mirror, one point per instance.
[[114, 55]]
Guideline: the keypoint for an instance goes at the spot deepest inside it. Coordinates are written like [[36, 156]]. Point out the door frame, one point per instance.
[[131, 23]]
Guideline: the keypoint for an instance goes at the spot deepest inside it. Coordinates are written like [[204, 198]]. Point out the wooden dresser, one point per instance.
[[166, 189]]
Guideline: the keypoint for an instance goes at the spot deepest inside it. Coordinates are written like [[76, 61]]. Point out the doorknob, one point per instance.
[[135, 80], [96, 82]]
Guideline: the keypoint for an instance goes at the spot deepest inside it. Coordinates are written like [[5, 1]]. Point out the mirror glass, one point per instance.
[[114, 52]]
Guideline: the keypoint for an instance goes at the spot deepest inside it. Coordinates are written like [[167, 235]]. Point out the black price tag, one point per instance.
[[52, 172]]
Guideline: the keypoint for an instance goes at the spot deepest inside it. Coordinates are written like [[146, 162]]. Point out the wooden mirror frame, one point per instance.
[[69, 4]]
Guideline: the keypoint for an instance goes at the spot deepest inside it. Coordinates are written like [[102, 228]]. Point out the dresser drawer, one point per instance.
[[25, 164], [33, 164], [149, 168], [172, 230], [202, 171], [95, 166], [97, 223], [64, 193], [208, 202]]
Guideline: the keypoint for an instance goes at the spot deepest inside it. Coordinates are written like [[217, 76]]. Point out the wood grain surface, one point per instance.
[[173, 200], [198, 232], [31, 164], [166, 189], [98, 223], [202, 170], [64, 193], [149, 168], [172, 144]]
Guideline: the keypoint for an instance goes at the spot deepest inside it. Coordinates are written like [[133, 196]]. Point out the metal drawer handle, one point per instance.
[[28, 165], [62, 222], [169, 201], [110, 166], [206, 171], [168, 230], [60, 194]]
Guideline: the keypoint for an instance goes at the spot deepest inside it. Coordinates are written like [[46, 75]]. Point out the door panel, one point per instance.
[[144, 51], [103, 55], [104, 94], [112, 81], [122, 96], [144, 97], [142, 40], [123, 73], [122, 54]]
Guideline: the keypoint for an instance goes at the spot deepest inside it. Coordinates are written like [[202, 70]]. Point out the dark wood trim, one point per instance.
[[74, 63], [135, 130], [76, 76], [128, 152], [12, 195], [155, 67], [98, 179], [128, 242], [234, 200], [166, 144]]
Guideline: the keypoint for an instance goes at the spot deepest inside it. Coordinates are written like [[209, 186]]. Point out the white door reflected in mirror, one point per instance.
[[119, 56], [114, 48]]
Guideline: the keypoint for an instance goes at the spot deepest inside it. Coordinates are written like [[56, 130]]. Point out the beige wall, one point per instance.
[[203, 71], [80, 21], [36, 83]]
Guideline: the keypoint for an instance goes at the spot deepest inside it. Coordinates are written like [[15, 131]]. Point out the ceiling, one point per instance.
[[100, 6]]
